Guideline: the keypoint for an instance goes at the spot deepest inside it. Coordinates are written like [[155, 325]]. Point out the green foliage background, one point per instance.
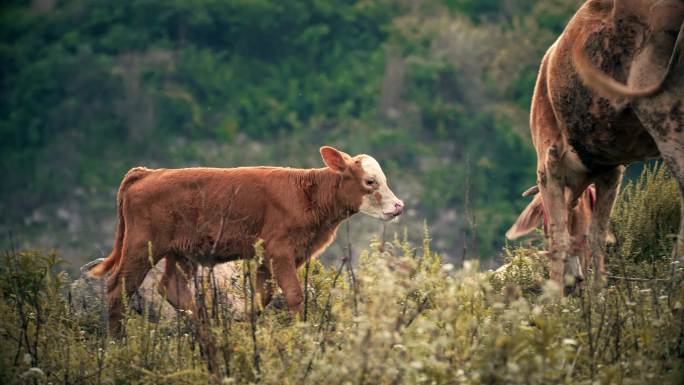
[[437, 90]]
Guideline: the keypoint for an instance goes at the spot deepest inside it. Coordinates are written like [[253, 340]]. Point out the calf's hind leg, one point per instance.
[[175, 286], [127, 278]]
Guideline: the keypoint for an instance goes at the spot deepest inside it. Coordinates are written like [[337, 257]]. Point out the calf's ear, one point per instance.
[[334, 159]]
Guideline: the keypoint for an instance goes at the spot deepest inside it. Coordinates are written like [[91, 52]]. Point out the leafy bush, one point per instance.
[[524, 268], [646, 216]]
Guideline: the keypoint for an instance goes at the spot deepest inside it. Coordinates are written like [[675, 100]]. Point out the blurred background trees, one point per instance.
[[437, 90]]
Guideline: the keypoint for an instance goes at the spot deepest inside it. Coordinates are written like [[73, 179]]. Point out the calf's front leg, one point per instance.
[[285, 273], [174, 285]]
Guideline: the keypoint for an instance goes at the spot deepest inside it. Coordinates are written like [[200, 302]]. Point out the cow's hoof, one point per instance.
[[573, 268]]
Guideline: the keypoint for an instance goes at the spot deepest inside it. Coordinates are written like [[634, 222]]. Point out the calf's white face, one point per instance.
[[380, 202], [364, 183]]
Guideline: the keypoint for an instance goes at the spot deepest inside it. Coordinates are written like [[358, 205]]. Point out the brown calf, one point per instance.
[[204, 216], [583, 137]]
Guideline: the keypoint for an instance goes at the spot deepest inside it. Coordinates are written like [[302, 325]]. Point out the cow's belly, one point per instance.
[[601, 135]]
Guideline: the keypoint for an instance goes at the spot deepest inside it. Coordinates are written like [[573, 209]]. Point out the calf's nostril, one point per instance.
[[398, 208]]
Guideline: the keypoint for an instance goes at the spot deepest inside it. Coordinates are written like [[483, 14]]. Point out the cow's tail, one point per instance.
[[114, 257], [605, 85]]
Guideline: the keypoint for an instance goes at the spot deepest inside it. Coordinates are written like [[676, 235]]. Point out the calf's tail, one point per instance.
[[114, 257]]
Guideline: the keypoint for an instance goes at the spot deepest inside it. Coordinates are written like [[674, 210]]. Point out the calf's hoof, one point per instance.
[[600, 279]]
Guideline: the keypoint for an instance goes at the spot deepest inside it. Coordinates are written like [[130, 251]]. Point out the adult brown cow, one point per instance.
[[583, 136], [204, 216]]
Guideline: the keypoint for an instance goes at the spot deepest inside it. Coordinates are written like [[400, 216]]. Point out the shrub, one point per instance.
[[646, 216], [524, 268]]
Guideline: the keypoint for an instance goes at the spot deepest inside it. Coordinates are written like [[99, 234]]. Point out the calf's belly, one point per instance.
[[207, 250]]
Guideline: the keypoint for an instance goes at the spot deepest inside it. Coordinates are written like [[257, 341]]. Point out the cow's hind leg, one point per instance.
[[607, 185], [578, 222], [663, 117], [551, 182]]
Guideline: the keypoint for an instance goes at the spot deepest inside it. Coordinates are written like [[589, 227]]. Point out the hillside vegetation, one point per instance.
[[437, 90]]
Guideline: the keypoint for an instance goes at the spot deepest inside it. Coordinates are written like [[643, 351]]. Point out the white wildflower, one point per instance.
[[33, 373], [552, 289], [470, 266], [399, 347], [513, 367]]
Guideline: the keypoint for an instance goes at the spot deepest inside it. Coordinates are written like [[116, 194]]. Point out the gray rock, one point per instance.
[[89, 294]]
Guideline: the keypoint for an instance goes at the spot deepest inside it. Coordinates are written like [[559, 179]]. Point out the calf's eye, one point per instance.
[[370, 182]]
